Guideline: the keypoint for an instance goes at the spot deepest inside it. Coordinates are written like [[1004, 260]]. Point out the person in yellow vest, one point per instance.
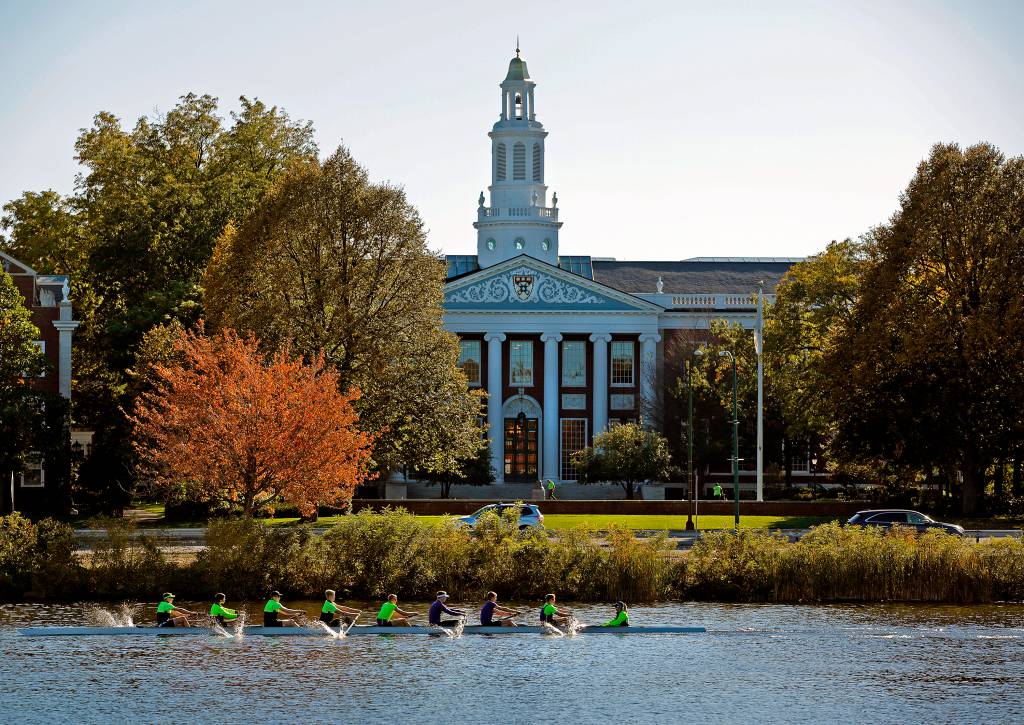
[[391, 616], [330, 613], [273, 607], [550, 484], [218, 611], [168, 615], [717, 490]]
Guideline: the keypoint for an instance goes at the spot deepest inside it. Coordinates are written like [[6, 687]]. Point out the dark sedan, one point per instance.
[[888, 518]]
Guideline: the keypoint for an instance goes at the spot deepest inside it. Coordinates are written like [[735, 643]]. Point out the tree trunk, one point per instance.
[[1000, 487], [446, 489], [973, 487], [1017, 480], [629, 490], [787, 462]]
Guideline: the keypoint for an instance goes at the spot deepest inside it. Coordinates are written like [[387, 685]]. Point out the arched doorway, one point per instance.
[[522, 432]]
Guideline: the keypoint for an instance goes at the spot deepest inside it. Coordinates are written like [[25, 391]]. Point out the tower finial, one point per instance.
[[517, 45]]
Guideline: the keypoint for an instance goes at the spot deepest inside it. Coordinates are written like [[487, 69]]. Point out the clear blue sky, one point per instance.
[[677, 129]]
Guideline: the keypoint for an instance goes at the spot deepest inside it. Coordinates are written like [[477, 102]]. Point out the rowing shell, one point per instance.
[[320, 632]]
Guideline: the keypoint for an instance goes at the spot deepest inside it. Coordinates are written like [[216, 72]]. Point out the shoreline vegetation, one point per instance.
[[366, 555]]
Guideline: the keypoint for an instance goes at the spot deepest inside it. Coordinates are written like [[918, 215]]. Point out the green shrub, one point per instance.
[[246, 558], [37, 560], [123, 565]]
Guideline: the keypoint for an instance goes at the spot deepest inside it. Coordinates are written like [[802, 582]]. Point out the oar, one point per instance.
[[351, 625]]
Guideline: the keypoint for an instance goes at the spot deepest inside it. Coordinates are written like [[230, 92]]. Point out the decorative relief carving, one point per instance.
[[510, 286]]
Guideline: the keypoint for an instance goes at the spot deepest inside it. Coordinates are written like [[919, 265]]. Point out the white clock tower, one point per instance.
[[519, 220]]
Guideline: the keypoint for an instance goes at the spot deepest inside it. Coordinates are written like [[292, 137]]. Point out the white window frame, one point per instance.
[[632, 363], [511, 364], [578, 382], [478, 357], [38, 465]]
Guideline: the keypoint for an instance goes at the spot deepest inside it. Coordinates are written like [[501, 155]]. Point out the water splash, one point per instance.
[[237, 628], [314, 625], [456, 631], [573, 627], [549, 630], [123, 616]]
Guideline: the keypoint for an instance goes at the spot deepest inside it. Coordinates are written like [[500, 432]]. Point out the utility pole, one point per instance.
[[735, 440], [758, 348]]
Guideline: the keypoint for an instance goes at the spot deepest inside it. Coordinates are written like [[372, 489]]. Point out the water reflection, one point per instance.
[[880, 663]]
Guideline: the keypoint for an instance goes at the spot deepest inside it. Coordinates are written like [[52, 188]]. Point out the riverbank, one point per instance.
[[367, 555]]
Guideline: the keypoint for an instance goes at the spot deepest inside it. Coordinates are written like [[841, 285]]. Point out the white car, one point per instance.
[[529, 515]]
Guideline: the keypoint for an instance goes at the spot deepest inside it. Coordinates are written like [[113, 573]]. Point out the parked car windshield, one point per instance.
[[488, 507], [916, 518]]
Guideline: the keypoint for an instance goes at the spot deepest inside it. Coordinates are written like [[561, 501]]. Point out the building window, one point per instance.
[[545, 245], [469, 360], [538, 173], [500, 163], [574, 438], [520, 242], [574, 364], [34, 476], [519, 161], [491, 244], [622, 363], [521, 363]]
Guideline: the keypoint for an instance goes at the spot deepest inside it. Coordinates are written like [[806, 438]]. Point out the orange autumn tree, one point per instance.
[[228, 422]]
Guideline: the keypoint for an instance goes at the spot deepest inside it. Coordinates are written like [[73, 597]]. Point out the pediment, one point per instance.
[[525, 284]]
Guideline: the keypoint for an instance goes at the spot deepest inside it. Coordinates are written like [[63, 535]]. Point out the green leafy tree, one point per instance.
[[628, 454], [333, 262], [475, 470], [928, 373]]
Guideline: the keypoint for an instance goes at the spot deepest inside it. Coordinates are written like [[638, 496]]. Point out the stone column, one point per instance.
[[504, 105], [65, 329], [495, 422], [533, 110], [600, 384], [550, 462], [648, 367]]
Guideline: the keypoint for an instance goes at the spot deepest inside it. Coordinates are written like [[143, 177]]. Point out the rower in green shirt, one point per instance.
[[271, 610], [221, 613], [391, 616], [549, 612], [329, 613], [621, 618], [167, 615]]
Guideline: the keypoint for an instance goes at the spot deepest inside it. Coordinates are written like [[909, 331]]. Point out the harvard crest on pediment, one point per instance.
[[527, 286]]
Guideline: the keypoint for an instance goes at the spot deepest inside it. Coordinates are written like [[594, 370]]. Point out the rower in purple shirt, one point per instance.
[[438, 607]]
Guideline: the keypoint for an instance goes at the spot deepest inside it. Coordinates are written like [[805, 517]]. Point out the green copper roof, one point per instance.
[[517, 70]]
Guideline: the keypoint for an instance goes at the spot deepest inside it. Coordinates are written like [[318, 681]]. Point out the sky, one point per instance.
[[676, 128]]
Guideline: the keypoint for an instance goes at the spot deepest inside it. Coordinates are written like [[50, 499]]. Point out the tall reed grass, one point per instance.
[[368, 555]]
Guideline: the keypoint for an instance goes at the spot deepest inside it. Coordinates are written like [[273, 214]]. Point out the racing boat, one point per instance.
[[257, 630]]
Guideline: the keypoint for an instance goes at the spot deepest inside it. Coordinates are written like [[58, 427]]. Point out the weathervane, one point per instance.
[[517, 45]]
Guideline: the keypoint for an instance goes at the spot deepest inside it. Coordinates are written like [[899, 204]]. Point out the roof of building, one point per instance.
[[517, 70], [698, 275], [703, 275]]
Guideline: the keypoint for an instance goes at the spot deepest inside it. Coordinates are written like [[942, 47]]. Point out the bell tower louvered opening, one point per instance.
[[519, 161], [500, 163], [538, 156]]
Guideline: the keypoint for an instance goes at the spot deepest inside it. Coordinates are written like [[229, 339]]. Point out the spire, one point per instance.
[[517, 45]]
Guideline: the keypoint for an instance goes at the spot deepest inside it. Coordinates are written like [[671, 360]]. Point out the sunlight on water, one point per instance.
[[456, 631]]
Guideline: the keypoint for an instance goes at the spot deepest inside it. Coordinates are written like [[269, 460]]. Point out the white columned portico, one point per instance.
[[600, 340], [648, 359], [550, 459], [495, 423]]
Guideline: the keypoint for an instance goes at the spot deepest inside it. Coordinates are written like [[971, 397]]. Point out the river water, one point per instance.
[[793, 664]]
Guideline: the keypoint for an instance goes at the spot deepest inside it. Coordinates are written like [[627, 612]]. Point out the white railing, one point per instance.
[[518, 211], [708, 301]]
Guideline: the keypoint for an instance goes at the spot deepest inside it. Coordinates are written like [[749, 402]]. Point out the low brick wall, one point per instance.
[[461, 507]]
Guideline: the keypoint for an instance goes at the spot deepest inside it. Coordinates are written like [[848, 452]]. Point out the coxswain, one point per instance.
[[438, 608], [549, 612], [167, 615], [330, 613], [621, 618], [271, 610], [218, 611], [391, 616], [491, 615]]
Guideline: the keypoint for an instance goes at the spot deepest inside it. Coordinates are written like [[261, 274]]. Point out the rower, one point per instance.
[[221, 613], [490, 610], [167, 615], [439, 606], [550, 614], [391, 616], [271, 610], [329, 613], [621, 618]]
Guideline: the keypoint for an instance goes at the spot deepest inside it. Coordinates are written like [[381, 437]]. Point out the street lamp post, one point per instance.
[[691, 485], [735, 440]]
